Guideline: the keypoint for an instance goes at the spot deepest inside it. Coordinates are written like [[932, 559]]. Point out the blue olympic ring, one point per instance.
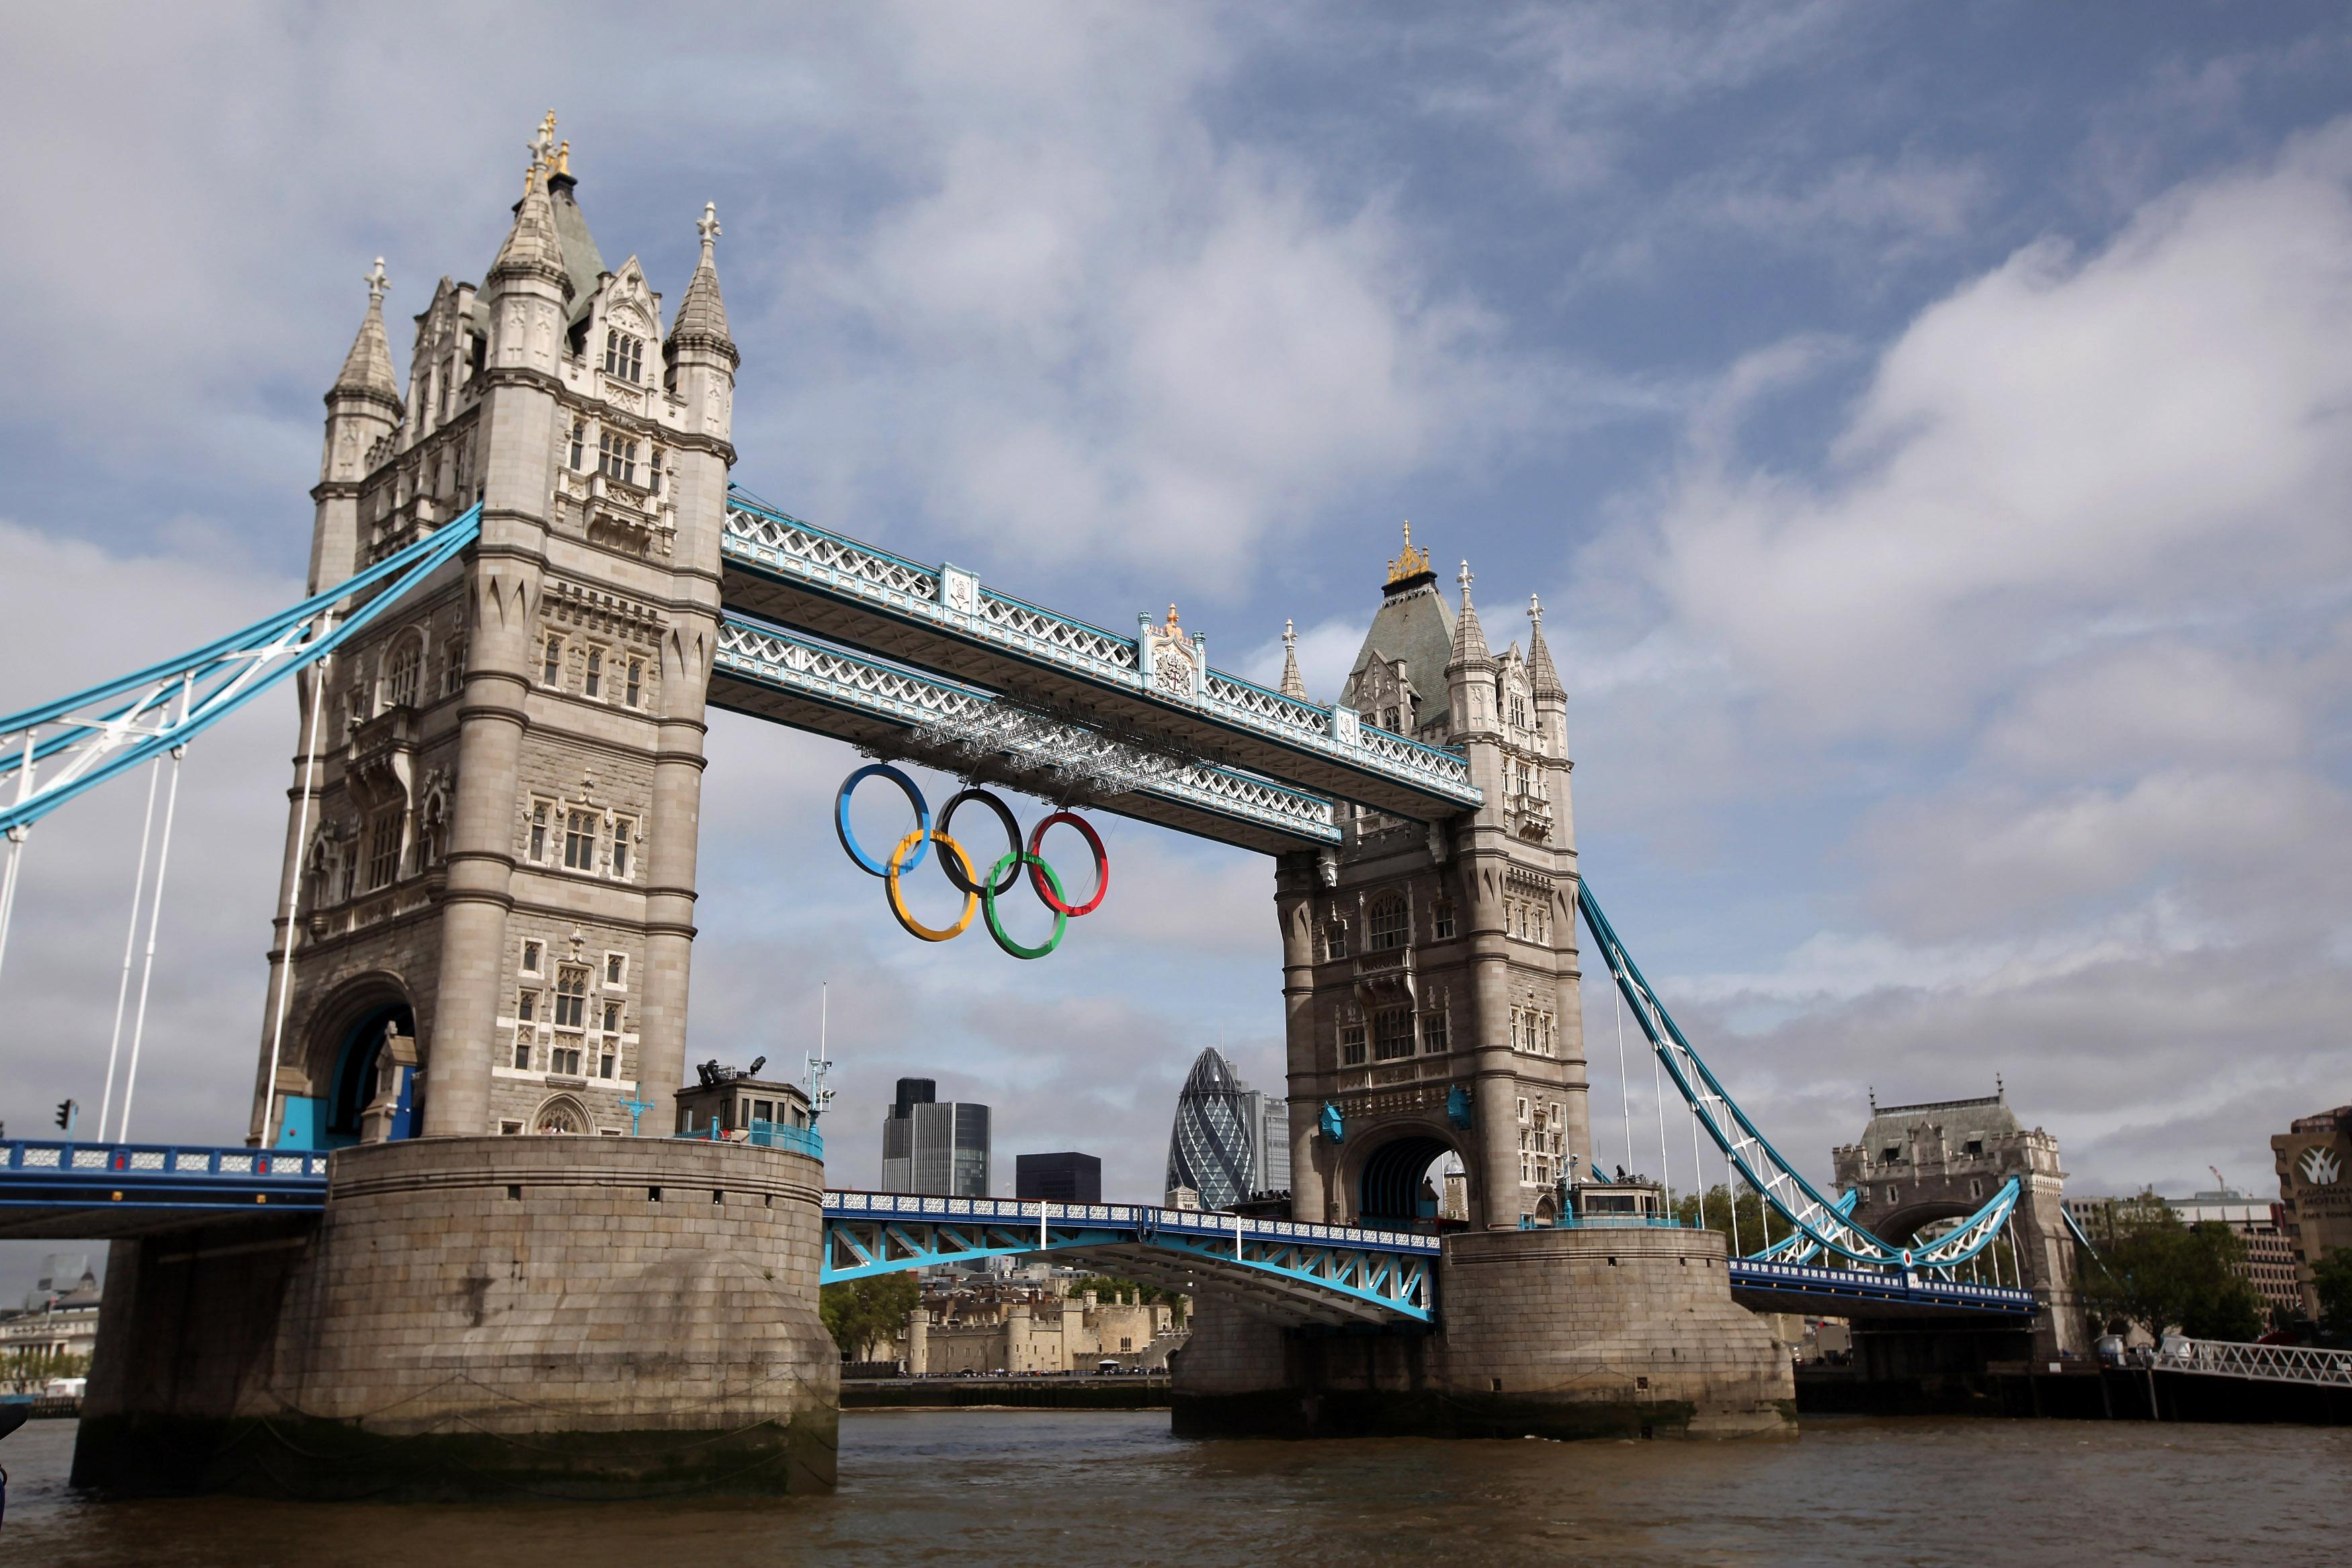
[[867, 862]]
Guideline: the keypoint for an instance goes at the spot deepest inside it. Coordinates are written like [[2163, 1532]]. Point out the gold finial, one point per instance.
[[1410, 563], [563, 158], [1171, 630]]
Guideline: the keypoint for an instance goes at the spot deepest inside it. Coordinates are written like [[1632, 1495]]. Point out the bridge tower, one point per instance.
[[1430, 970], [1915, 1164], [490, 854]]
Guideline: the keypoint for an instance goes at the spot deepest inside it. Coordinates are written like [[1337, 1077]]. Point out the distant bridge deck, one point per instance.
[[1289, 1270]]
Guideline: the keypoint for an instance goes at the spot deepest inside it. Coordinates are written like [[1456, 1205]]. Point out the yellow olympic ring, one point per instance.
[[898, 905]]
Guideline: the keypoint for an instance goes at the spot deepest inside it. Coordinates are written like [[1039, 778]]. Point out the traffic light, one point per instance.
[[66, 1112]]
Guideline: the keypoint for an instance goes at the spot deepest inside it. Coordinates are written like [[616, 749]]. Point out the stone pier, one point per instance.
[[1549, 1334], [588, 1317]]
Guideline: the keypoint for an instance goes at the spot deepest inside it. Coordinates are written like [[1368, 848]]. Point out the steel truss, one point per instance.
[[1820, 1220], [960, 729], [1286, 1270], [946, 600], [50, 753], [2263, 1362]]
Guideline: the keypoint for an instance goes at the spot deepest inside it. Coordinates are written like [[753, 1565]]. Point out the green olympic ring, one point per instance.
[[1002, 876], [1013, 862]]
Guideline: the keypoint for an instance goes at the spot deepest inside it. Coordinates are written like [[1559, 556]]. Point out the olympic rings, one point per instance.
[[914, 798], [947, 848], [980, 893], [1039, 876], [1016, 860], [962, 878]]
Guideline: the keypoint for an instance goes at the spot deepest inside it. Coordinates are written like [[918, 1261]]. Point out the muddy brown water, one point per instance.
[[1113, 1488]]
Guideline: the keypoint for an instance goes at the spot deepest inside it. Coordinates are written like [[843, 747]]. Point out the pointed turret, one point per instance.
[[1292, 686], [367, 369], [529, 291], [1470, 650], [532, 247], [1543, 680], [702, 315]]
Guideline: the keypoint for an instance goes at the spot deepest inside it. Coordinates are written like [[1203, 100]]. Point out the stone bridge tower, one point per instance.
[[1916, 1164], [490, 856], [1430, 969]]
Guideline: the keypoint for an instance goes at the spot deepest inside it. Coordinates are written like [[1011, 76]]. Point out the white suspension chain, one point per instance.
[[1624, 1082], [129, 947], [155, 919], [294, 896]]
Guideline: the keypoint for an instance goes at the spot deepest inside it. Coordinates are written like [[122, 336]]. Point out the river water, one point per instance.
[[1102, 1490]]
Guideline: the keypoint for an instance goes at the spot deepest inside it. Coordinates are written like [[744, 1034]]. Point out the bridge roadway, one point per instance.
[[939, 619], [1288, 1271]]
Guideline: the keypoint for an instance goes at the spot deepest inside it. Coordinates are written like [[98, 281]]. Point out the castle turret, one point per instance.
[[364, 406]]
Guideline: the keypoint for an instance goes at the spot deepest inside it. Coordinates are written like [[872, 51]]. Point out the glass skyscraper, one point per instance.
[[1230, 1142], [931, 1145]]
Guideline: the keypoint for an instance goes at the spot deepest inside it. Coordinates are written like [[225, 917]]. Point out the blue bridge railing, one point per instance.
[[768, 1135]]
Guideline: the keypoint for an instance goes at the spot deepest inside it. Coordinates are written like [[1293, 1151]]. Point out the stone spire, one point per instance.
[[1292, 686], [1470, 648], [532, 246], [702, 315], [1542, 678], [367, 369]]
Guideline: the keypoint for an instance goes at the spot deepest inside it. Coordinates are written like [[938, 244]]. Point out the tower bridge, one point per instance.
[[530, 577]]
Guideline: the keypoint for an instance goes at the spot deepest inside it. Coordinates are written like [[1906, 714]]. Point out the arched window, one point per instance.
[[624, 355], [1389, 927], [401, 672]]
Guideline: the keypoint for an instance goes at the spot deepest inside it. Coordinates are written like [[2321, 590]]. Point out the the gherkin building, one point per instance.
[[1230, 1142]]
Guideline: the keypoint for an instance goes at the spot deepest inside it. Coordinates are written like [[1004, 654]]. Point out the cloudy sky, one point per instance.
[[1929, 428]]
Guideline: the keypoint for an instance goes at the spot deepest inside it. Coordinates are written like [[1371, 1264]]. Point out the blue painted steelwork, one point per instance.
[[1307, 1272], [112, 727], [1787, 1249], [1925, 1291], [955, 612], [1775, 1179], [39, 1174], [905, 700]]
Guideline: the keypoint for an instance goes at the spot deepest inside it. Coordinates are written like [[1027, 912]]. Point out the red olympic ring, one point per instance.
[[1037, 878]]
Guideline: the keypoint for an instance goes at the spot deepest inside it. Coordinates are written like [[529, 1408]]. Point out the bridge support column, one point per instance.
[[1557, 1333], [589, 1317]]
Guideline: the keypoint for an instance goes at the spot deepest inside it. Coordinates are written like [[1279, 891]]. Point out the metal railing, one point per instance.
[[98, 1160], [766, 1135], [2263, 1362]]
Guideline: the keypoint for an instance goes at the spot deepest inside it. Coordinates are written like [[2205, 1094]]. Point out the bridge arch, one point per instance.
[[1388, 1180], [344, 1060]]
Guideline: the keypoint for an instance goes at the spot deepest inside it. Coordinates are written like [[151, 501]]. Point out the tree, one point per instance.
[[2331, 1276], [861, 1311], [2161, 1275], [1759, 1226]]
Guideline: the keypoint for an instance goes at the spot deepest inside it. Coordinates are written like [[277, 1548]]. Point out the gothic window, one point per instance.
[[1391, 1033], [624, 355], [383, 848], [522, 1050], [635, 684], [530, 952], [1516, 1014], [401, 672], [580, 840], [1518, 710], [1389, 923], [572, 997], [1351, 1045], [1441, 917], [654, 470], [611, 1018], [616, 971], [579, 446], [616, 457], [1432, 1034], [527, 1007], [1523, 1112], [608, 1061], [551, 661], [624, 833], [1390, 720], [592, 684], [452, 668], [565, 1059], [538, 856]]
